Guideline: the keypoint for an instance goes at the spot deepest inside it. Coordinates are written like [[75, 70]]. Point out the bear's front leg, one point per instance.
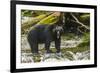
[[57, 45]]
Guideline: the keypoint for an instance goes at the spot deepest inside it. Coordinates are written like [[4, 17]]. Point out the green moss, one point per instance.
[[86, 40], [37, 58], [68, 36], [75, 49], [86, 37], [85, 17], [51, 19]]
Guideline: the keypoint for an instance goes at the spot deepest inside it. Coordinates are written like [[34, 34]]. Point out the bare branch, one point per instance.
[[79, 21], [80, 29]]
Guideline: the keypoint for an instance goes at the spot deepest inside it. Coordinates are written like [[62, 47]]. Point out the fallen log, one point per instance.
[[51, 19], [30, 21]]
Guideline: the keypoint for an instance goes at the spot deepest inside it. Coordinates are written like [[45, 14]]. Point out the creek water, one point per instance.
[[26, 57]]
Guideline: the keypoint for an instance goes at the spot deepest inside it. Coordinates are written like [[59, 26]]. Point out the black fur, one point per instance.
[[44, 34]]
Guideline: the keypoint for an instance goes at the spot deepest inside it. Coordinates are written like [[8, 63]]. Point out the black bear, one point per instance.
[[45, 34]]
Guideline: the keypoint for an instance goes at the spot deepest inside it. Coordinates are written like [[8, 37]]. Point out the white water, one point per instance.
[[27, 57], [64, 44]]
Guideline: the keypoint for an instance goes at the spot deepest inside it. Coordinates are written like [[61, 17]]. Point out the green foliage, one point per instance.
[[85, 45], [27, 13], [86, 40], [85, 18], [86, 37], [32, 13], [37, 58], [75, 49]]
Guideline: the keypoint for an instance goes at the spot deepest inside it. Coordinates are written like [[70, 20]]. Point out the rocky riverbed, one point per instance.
[[27, 57], [69, 56]]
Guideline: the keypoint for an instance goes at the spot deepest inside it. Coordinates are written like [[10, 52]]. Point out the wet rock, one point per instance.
[[68, 56]]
